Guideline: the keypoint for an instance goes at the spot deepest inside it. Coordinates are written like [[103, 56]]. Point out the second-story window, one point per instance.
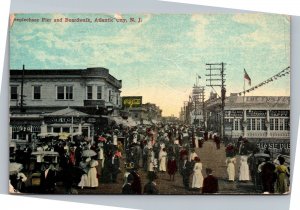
[[99, 92], [64, 92], [36, 92], [110, 96], [89, 92], [69, 92], [13, 92]]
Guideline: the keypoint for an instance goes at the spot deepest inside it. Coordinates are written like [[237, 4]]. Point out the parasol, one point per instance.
[[64, 136], [43, 135], [102, 139], [88, 153], [15, 168]]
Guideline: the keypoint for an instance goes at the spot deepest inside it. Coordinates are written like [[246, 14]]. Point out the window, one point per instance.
[[287, 124], [14, 92], [276, 124], [60, 92], [99, 92], [109, 96], [56, 130], [248, 124], [258, 124], [36, 92], [253, 124], [271, 124], [89, 92], [64, 92], [66, 129], [281, 123], [236, 125], [263, 124], [69, 92]]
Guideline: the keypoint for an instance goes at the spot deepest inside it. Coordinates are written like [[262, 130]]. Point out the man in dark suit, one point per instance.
[[48, 179], [136, 184], [127, 188], [268, 175], [185, 171], [151, 188], [210, 183]]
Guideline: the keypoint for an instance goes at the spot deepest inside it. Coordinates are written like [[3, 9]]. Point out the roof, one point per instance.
[[67, 112]]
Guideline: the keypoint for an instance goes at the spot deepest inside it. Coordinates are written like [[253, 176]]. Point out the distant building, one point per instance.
[[61, 100], [147, 113]]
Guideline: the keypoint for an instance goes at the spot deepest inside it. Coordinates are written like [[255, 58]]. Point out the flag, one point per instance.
[[246, 76]]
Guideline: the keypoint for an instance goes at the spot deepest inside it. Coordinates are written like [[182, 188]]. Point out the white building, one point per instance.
[[61, 100], [256, 117]]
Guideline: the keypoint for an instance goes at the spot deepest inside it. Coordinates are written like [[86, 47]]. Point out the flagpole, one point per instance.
[[244, 91]]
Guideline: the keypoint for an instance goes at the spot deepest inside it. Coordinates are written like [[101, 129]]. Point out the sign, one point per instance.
[[132, 101], [274, 147], [279, 113], [91, 120], [234, 113], [256, 113], [62, 120]]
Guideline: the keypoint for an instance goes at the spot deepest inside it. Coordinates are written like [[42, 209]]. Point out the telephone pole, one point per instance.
[[216, 78]]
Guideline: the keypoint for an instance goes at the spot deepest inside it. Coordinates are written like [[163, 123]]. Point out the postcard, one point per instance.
[[149, 104]]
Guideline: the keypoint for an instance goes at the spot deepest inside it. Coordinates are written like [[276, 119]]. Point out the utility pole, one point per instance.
[[216, 78]]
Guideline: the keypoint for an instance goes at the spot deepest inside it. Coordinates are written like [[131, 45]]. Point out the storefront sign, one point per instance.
[[274, 147], [234, 113], [279, 113], [50, 120], [132, 101], [257, 113]]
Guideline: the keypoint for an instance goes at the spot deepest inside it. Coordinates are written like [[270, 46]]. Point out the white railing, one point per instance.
[[259, 134]]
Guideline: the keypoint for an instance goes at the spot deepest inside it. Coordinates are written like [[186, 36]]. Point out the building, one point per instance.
[[254, 117], [61, 100], [147, 113]]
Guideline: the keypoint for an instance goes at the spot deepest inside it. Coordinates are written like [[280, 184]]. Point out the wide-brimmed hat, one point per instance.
[[129, 165]]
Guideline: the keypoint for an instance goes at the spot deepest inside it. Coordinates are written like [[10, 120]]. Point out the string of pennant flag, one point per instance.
[[282, 73]]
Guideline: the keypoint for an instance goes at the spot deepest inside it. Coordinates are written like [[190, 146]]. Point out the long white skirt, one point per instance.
[[84, 181], [244, 172], [231, 171], [92, 180], [197, 180]]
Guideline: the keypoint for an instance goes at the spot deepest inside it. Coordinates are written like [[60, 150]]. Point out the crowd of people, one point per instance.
[[267, 175], [77, 163]]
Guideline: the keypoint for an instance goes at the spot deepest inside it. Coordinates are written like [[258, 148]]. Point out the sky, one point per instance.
[[160, 57]]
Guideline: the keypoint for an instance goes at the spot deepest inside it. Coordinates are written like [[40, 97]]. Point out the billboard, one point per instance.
[[131, 101]]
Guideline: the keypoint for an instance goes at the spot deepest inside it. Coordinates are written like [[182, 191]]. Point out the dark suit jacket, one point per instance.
[[150, 189], [210, 185], [136, 185], [127, 189], [185, 170]]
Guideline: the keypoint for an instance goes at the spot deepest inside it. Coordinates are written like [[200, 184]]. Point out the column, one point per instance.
[[245, 122], [268, 123]]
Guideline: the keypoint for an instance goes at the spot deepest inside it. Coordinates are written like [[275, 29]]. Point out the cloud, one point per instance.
[[199, 33]]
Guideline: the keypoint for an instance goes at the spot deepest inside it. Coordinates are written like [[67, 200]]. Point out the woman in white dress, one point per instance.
[[230, 162], [244, 169], [92, 180], [162, 160], [84, 165], [197, 174]]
